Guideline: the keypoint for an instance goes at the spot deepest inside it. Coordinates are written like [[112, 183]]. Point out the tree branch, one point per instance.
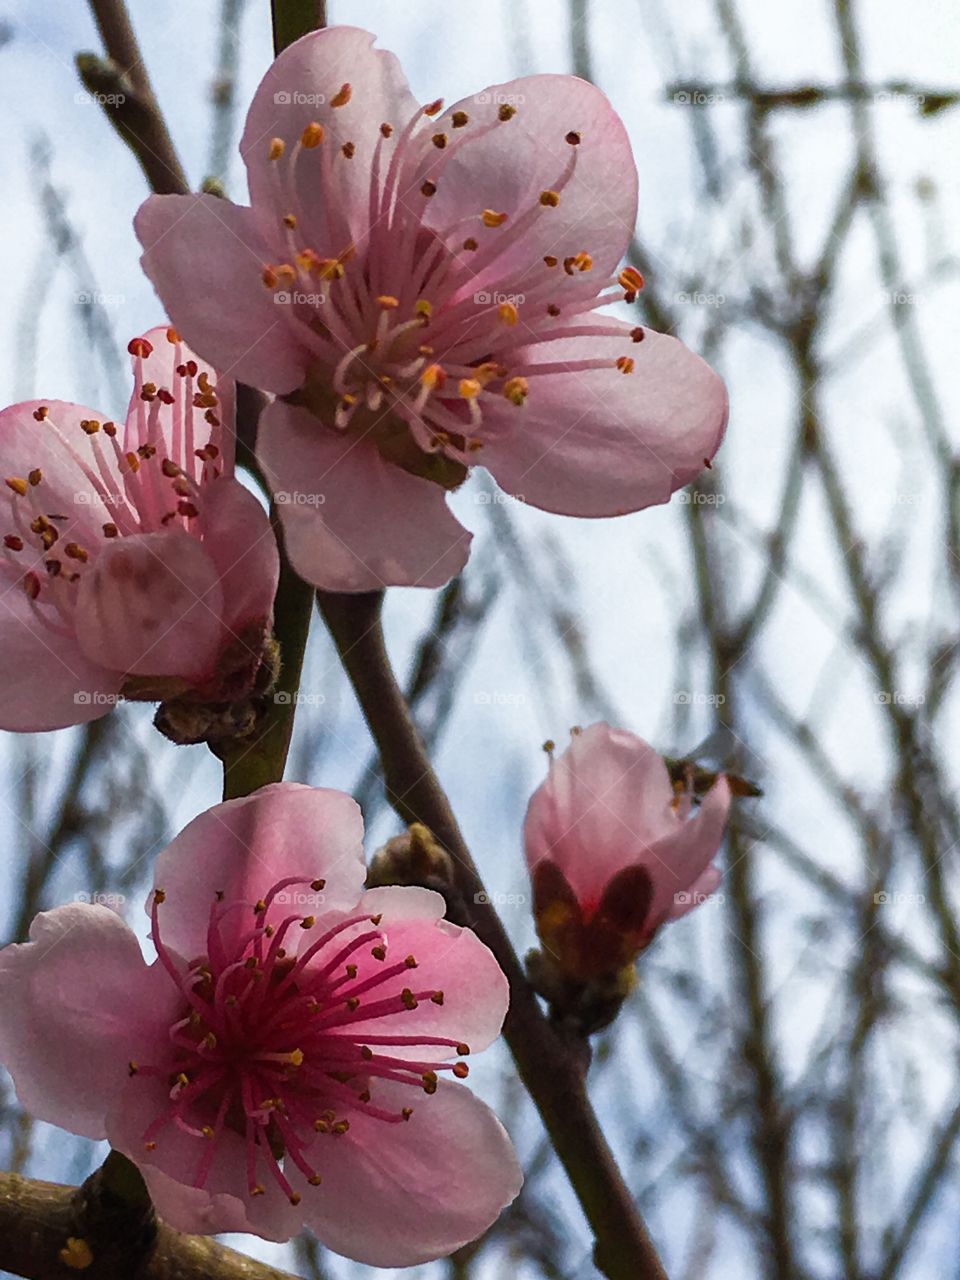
[[550, 1070]]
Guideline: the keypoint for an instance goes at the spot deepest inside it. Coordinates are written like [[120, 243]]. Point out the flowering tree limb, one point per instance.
[[551, 1070]]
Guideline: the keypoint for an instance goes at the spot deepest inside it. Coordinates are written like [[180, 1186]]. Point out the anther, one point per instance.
[[434, 108], [516, 390], [549, 199], [18, 485], [140, 347], [342, 96], [459, 119], [573, 138], [506, 112], [625, 364], [35, 476], [470, 244], [277, 148], [469, 388], [42, 413], [349, 149], [312, 135], [493, 219], [637, 334], [428, 189], [508, 313], [386, 129]]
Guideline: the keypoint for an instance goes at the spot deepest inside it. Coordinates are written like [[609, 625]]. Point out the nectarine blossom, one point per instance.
[[613, 851], [285, 1059], [133, 563], [419, 287]]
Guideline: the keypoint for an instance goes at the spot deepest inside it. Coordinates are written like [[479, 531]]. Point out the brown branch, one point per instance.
[[550, 1070]]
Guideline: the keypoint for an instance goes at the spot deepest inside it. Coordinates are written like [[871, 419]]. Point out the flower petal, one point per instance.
[[395, 1195], [680, 859], [352, 521], [242, 848], [601, 443], [327, 190], [506, 170], [205, 258], [449, 959], [52, 683], [150, 604], [238, 538], [77, 1003], [605, 803]]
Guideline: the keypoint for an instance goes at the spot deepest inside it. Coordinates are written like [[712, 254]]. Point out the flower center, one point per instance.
[[414, 328], [270, 1044]]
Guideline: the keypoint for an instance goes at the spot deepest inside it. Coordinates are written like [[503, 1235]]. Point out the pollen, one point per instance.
[[342, 96], [516, 390], [508, 313], [469, 388], [276, 149], [493, 219], [312, 135]]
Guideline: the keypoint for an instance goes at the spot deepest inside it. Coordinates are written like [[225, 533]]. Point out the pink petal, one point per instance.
[[449, 959], [327, 191], [600, 442], [678, 860], [352, 521], [606, 800], [52, 684], [150, 604], [508, 168], [159, 368], [239, 539], [77, 1003], [395, 1195], [242, 848], [706, 884], [223, 1203], [206, 259]]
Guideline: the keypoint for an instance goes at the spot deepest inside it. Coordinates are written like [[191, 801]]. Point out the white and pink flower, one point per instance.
[[286, 1059], [613, 851], [133, 562], [419, 287]]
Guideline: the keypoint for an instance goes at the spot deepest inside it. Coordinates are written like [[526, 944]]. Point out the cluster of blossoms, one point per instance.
[[418, 288]]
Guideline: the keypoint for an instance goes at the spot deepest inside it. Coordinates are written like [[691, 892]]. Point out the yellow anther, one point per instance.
[[277, 148], [290, 220], [433, 376], [342, 96], [516, 390], [469, 388], [388, 301], [423, 308], [493, 219], [312, 135], [508, 313], [550, 199], [76, 1254], [17, 484]]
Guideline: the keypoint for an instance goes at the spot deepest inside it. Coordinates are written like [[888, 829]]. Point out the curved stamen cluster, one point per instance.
[[394, 322], [141, 478], [270, 1045]]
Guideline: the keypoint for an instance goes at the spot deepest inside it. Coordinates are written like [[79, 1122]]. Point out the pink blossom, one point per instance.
[[285, 1059], [613, 852], [134, 563], [419, 287]]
